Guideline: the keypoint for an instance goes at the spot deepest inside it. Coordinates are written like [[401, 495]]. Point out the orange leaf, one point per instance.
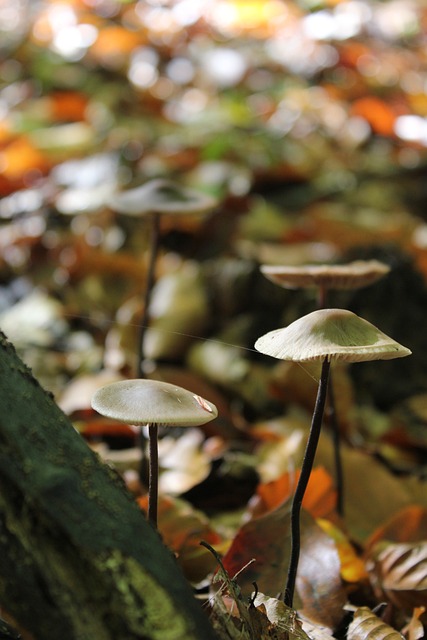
[[380, 116], [319, 499], [5, 131], [407, 525], [19, 158], [351, 52], [68, 106], [115, 42]]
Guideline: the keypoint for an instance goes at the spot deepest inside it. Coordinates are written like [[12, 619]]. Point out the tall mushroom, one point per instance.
[[153, 200], [324, 278], [152, 403], [326, 335]]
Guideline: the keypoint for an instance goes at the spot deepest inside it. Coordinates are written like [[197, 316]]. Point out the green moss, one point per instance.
[[149, 608]]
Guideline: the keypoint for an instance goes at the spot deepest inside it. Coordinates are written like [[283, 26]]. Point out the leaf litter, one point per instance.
[[310, 163]]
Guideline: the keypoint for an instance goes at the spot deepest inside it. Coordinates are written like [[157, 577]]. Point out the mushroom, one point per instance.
[[153, 199], [325, 335], [324, 277], [152, 403], [353, 275]]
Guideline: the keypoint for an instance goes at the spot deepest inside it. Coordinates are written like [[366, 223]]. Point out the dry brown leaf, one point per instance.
[[315, 631], [407, 525], [265, 539], [183, 461], [398, 573], [367, 626], [414, 630], [281, 618], [77, 394], [319, 583], [372, 494], [257, 617], [81, 259]]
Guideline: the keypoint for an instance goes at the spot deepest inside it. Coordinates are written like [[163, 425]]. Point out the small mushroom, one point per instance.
[[324, 277], [152, 403], [353, 275], [162, 196], [154, 199], [326, 335]]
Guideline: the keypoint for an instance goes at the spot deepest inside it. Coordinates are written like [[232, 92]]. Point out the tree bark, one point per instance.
[[78, 560]]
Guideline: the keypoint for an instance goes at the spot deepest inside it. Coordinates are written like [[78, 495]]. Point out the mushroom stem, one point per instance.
[[153, 251], [153, 481], [322, 302], [339, 478], [322, 296], [307, 465]]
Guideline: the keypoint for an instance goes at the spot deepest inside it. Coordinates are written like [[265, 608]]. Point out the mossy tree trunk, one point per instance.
[[78, 560]]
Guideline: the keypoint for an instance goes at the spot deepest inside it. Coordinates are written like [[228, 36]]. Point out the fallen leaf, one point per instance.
[[372, 495], [282, 446], [183, 528], [107, 428], [380, 115], [257, 617], [179, 311], [318, 582], [414, 630], [352, 566], [67, 106], [407, 525], [280, 615], [398, 573], [319, 499], [77, 394], [19, 159], [266, 539], [114, 44], [183, 462], [315, 631], [367, 626]]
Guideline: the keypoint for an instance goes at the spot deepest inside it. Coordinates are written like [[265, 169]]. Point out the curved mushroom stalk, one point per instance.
[[324, 335], [306, 467]]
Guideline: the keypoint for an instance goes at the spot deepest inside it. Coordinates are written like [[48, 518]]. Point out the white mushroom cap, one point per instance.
[[162, 196], [352, 275], [335, 334], [142, 402]]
